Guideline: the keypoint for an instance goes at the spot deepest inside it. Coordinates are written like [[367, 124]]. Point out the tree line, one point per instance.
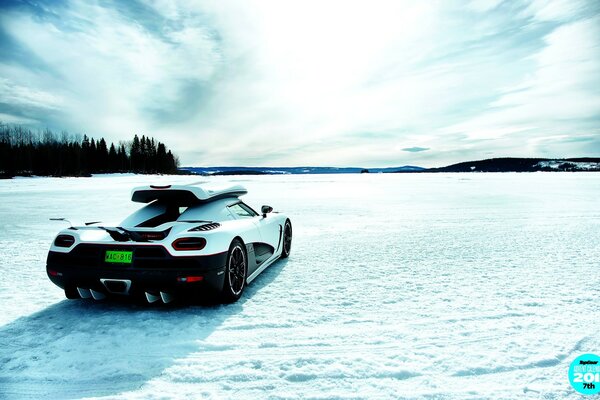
[[27, 152]]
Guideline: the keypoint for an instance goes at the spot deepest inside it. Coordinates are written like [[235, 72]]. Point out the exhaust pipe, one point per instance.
[[97, 295], [84, 293], [166, 297], [151, 298], [117, 286]]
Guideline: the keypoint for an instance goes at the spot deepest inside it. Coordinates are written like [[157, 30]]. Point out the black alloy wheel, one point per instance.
[[235, 272], [287, 239]]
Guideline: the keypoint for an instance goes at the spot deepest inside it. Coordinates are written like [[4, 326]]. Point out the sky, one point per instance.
[[320, 83]]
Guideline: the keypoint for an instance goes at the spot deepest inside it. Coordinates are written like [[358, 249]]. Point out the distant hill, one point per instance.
[[507, 164], [522, 165], [294, 170]]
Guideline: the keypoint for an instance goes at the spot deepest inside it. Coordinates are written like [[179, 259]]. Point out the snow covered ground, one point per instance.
[[575, 165], [399, 286]]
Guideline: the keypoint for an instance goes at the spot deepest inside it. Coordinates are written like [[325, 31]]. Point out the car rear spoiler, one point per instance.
[[184, 194]]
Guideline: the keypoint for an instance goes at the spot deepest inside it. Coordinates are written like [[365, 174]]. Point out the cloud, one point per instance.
[[415, 149], [15, 119], [111, 73], [27, 97], [561, 10], [557, 98], [335, 83]]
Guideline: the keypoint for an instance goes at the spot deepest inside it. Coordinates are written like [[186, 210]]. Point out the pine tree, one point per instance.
[[124, 160], [93, 157], [113, 159], [102, 156], [84, 159], [135, 154]]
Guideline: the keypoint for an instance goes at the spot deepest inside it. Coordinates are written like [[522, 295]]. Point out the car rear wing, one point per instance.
[[185, 194]]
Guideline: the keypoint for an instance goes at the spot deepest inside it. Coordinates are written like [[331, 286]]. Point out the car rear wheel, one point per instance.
[[236, 270], [287, 239]]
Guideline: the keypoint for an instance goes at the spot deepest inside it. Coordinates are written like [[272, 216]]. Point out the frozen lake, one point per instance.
[[413, 286]]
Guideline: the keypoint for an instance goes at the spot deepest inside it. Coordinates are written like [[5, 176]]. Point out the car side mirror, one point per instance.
[[265, 210]]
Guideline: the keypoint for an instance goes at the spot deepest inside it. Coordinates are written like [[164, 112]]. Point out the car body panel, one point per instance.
[[151, 234]]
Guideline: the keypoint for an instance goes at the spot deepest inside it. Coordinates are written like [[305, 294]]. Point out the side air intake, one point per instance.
[[206, 227]]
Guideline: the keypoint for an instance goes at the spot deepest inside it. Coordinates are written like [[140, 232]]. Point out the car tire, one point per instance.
[[71, 293], [236, 272], [287, 239]]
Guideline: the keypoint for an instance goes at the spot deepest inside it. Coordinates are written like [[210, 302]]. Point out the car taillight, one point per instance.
[[189, 244], [190, 279], [64, 241]]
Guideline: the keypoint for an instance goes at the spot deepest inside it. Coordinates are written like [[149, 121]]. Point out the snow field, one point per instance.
[[441, 286]]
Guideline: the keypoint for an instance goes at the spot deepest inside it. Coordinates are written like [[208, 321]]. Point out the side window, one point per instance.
[[241, 210], [247, 208]]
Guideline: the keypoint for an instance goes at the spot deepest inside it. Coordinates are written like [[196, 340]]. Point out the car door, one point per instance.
[[258, 251], [270, 230], [269, 227]]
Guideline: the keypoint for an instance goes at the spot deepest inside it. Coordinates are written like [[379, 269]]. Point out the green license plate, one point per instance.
[[118, 256]]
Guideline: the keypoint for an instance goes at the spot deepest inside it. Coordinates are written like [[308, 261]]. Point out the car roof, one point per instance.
[[216, 210], [185, 194]]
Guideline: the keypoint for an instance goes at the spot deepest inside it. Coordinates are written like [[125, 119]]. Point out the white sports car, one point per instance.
[[187, 239]]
